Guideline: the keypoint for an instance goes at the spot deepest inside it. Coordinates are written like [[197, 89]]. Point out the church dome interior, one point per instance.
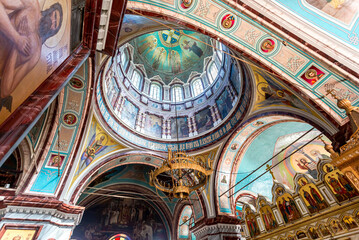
[[179, 120]]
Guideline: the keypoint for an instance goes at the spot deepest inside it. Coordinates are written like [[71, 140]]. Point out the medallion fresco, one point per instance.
[[171, 52], [61, 146]]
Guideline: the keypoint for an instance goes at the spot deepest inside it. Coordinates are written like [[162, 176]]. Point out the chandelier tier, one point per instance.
[[181, 174]]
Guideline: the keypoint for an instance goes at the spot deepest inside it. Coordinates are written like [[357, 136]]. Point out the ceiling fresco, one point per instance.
[[235, 28], [171, 53]]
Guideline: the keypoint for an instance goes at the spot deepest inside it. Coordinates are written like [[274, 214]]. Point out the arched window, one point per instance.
[[124, 59], [136, 79], [177, 93], [197, 87], [155, 91], [220, 51], [213, 72]]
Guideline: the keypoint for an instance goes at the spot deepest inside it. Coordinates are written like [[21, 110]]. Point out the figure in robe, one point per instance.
[[338, 189], [347, 185], [159, 57], [271, 220], [282, 210], [94, 148], [194, 48], [174, 60], [316, 196], [310, 200], [149, 44], [294, 209]]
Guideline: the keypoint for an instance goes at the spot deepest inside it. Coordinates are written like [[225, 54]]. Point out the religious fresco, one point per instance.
[[251, 222], [18, 233], [183, 130], [35, 40], [185, 222], [349, 222], [324, 230], [137, 218], [312, 75], [338, 183], [272, 94], [335, 226], [98, 144], [203, 120], [268, 45], [171, 52], [153, 125], [267, 215], [297, 161], [313, 233], [243, 198], [286, 205], [311, 195], [343, 10], [224, 103], [69, 118], [301, 235], [129, 113]]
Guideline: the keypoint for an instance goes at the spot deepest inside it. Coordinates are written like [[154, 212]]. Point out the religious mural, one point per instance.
[[343, 10], [251, 222], [129, 113], [18, 233], [312, 75], [34, 38], [335, 226], [267, 215], [137, 218], [338, 183], [271, 93], [309, 192], [235, 77], [185, 222], [203, 120], [304, 160], [286, 205], [153, 125], [224, 104], [183, 130], [171, 52]]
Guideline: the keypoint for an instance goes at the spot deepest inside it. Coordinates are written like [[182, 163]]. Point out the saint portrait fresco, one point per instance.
[[287, 206], [203, 120], [267, 215], [339, 184], [224, 104], [153, 125], [312, 75], [313, 199], [313, 233], [34, 36], [349, 222], [251, 222], [335, 226], [267, 45], [129, 113], [324, 230], [183, 130]]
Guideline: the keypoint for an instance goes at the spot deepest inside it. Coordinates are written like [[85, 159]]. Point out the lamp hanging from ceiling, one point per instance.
[[180, 174]]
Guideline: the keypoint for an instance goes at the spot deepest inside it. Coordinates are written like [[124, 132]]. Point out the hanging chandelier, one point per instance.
[[181, 174]]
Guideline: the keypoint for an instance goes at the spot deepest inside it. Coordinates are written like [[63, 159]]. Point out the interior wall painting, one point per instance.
[[129, 113], [34, 40], [203, 120], [153, 125], [270, 93], [343, 10], [171, 52], [183, 130], [136, 218], [312, 75], [303, 161], [224, 103]]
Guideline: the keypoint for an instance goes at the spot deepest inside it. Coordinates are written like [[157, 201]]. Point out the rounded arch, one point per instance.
[[187, 19]]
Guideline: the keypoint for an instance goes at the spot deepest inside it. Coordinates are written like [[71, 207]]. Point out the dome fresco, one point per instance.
[[171, 53]]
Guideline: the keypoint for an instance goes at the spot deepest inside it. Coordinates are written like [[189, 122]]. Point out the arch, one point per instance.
[[137, 79], [212, 72], [197, 87], [156, 91], [177, 93]]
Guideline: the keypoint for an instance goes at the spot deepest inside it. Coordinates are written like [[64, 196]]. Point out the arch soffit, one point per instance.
[[286, 61]]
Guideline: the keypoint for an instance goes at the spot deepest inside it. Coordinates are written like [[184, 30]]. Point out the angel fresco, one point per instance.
[[174, 60], [148, 45], [159, 58], [97, 144]]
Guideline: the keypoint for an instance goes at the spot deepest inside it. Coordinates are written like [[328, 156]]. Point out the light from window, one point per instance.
[[136, 79], [197, 87], [213, 72], [155, 91], [177, 92], [123, 59]]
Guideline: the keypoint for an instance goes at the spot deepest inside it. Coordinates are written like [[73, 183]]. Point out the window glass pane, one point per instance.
[[136, 79], [155, 91], [197, 87], [177, 93], [213, 72]]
